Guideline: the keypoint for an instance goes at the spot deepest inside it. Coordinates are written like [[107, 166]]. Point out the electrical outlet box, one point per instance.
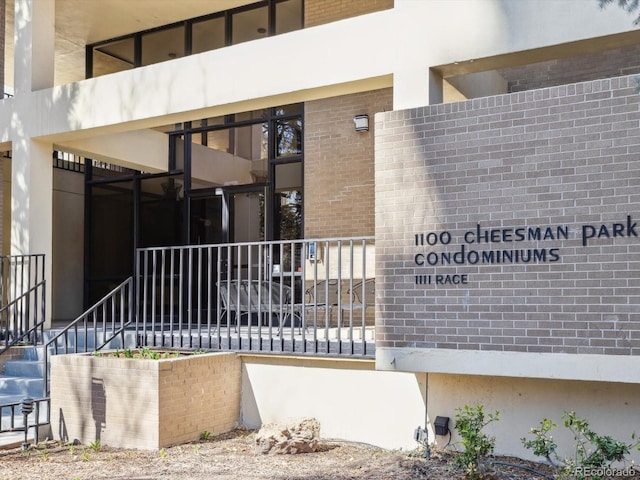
[[420, 435]]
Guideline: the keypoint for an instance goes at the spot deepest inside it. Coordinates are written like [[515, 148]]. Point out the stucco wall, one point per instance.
[[68, 244], [350, 399], [610, 408]]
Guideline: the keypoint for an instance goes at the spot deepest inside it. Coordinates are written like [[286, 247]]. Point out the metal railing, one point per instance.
[[22, 299], [94, 329], [298, 296], [40, 417]]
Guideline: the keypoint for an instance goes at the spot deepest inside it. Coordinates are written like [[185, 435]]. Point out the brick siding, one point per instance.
[[564, 157], [338, 165], [318, 12], [147, 404], [611, 63]]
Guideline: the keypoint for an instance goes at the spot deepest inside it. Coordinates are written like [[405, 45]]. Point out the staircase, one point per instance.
[[21, 377], [24, 368]]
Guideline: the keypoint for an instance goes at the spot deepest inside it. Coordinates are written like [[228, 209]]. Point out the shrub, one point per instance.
[[594, 454], [469, 424]]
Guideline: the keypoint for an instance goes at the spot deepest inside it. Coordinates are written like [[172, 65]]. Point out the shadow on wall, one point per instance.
[[98, 405]]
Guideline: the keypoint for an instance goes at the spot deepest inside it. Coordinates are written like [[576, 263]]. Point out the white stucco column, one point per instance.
[[416, 88], [31, 164], [34, 38], [32, 204]]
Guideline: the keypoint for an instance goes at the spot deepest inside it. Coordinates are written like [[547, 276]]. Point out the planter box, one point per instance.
[[142, 403]]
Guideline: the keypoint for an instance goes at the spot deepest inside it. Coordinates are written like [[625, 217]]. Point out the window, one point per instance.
[[197, 35]]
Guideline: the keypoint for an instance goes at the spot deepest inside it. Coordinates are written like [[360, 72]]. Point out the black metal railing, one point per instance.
[[95, 329], [15, 420], [298, 296], [22, 299]]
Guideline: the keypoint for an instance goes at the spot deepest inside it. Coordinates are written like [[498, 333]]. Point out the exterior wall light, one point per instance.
[[361, 122]]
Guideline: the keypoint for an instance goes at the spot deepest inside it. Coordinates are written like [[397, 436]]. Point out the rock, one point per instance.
[[297, 437]]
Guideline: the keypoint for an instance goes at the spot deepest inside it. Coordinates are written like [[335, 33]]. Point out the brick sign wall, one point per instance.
[[512, 223]]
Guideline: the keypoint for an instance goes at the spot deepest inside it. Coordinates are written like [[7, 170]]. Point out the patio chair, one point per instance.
[[256, 297], [363, 295], [322, 296]]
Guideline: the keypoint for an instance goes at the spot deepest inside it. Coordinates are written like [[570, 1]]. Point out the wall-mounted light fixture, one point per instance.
[[361, 122]]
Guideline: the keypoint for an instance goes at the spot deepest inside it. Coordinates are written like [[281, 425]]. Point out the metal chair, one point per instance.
[[256, 297], [363, 295], [324, 296]]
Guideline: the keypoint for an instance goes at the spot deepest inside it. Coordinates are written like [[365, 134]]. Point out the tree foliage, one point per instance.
[[630, 6]]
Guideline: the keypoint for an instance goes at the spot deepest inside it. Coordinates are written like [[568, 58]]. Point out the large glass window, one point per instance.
[[113, 57], [110, 238], [232, 178], [162, 45], [288, 201], [289, 140], [288, 16], [208, 35], [249, 25], [229, 156], [197, 35], [245, 152], [160, 213]]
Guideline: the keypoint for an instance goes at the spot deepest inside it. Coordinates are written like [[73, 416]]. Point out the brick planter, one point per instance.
[[141, 403]]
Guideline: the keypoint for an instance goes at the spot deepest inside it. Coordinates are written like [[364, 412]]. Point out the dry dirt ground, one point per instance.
[[232, 457]]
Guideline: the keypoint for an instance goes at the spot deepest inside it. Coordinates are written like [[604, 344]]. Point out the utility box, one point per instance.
[[441, 425]]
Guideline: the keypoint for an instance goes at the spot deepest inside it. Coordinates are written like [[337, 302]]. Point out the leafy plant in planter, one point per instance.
[[144, 353], [469, 424], [594, 455]]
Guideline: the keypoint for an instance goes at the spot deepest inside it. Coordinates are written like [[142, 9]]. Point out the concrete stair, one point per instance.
[[24, 377], [20, 379]]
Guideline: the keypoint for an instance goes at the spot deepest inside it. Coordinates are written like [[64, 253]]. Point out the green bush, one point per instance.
[[469, 424], [593, 454]]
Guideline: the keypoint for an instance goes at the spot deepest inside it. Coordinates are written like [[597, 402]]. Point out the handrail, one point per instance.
[[15, 412], [37, 325], [186, 296], [107, 308]]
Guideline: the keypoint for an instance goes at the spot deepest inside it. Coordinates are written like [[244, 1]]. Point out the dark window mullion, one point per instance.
[[137, 50], [227, 30], [88, 62], [188, 38], [272, 18]]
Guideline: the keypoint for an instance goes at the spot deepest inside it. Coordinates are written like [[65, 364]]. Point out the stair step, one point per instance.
[[9, 399], [24, 378], [24, 368], [90, 339], [33, 353], [21, 386]]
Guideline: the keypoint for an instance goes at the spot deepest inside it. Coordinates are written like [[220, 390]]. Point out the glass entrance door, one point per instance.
[[231, 215], [206, 212]]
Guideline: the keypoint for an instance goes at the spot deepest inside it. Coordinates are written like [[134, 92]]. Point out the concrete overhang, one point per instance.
[[298, 66], [557, 366], [465, 66], [146, 150]]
